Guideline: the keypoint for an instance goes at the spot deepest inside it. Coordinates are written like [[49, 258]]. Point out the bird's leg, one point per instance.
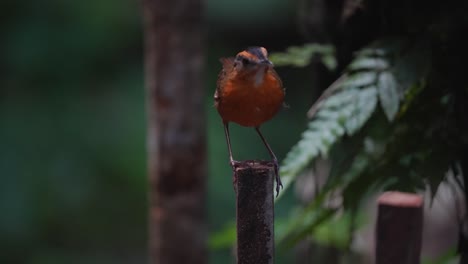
[[232, 162], [275, 161]]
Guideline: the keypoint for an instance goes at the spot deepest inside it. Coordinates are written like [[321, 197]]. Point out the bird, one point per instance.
[[249, 92]]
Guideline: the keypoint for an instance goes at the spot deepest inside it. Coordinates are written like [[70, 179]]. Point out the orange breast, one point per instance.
[[248, 104]]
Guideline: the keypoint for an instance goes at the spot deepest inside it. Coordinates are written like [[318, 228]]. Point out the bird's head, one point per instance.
[[252, 59]]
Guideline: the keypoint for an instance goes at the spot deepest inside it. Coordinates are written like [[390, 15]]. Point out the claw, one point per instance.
[[279, 184], [234, 165], [275, 161]]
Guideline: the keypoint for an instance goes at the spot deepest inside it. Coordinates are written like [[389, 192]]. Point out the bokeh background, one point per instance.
[[72, 125]]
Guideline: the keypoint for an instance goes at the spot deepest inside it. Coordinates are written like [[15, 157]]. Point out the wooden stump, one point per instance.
[[399, 228], [255, 212]]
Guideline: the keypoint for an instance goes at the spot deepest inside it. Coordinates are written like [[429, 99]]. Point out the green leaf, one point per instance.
[[360, 79], [388, 94], [346, 111], [329, 61], [346, 97], [303, 56], [361, 109], [369, 63]]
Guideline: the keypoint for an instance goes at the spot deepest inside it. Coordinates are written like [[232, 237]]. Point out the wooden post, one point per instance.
[[399, 228], [176, 131], [255, 212]]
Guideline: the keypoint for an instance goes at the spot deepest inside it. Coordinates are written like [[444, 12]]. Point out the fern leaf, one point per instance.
[[361, 110], [368, 63], [348, 104], [344, 112], [360, 79], [388, 94]]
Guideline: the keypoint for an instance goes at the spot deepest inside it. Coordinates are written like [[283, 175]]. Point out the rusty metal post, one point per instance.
[[255, 212], [399, 228]]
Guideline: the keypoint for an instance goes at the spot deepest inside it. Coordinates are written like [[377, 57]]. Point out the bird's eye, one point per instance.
[[245, 61]]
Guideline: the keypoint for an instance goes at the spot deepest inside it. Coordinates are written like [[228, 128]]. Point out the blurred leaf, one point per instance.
[[388, 94], [302, 56], [361, 110], [360, 79], [304, 223], [329, 61], [224, 238], [368, 63], [334, 232]]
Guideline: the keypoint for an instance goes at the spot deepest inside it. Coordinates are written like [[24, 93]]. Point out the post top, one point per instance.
[[400, 199]]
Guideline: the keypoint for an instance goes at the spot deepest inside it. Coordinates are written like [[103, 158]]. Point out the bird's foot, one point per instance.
[[279, 184], [234, 165]]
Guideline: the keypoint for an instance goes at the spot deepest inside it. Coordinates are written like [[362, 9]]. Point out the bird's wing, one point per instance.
[[275, 74], [228, 66]]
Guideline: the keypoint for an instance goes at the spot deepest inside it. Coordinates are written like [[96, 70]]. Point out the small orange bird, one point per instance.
[[249, 92]]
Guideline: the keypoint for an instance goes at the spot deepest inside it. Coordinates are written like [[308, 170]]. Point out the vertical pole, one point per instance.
[[176, 130], [399, 228], [255, 212]]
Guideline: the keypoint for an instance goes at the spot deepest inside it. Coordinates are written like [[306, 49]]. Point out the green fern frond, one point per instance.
[[348, 104], [388, 94], [344, 112]]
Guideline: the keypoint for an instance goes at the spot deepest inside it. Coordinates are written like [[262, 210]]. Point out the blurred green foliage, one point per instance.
[[72, 158], [302, 56], [450, 257]]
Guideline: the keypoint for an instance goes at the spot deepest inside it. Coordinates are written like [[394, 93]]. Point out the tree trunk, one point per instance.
[[176, 130]]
